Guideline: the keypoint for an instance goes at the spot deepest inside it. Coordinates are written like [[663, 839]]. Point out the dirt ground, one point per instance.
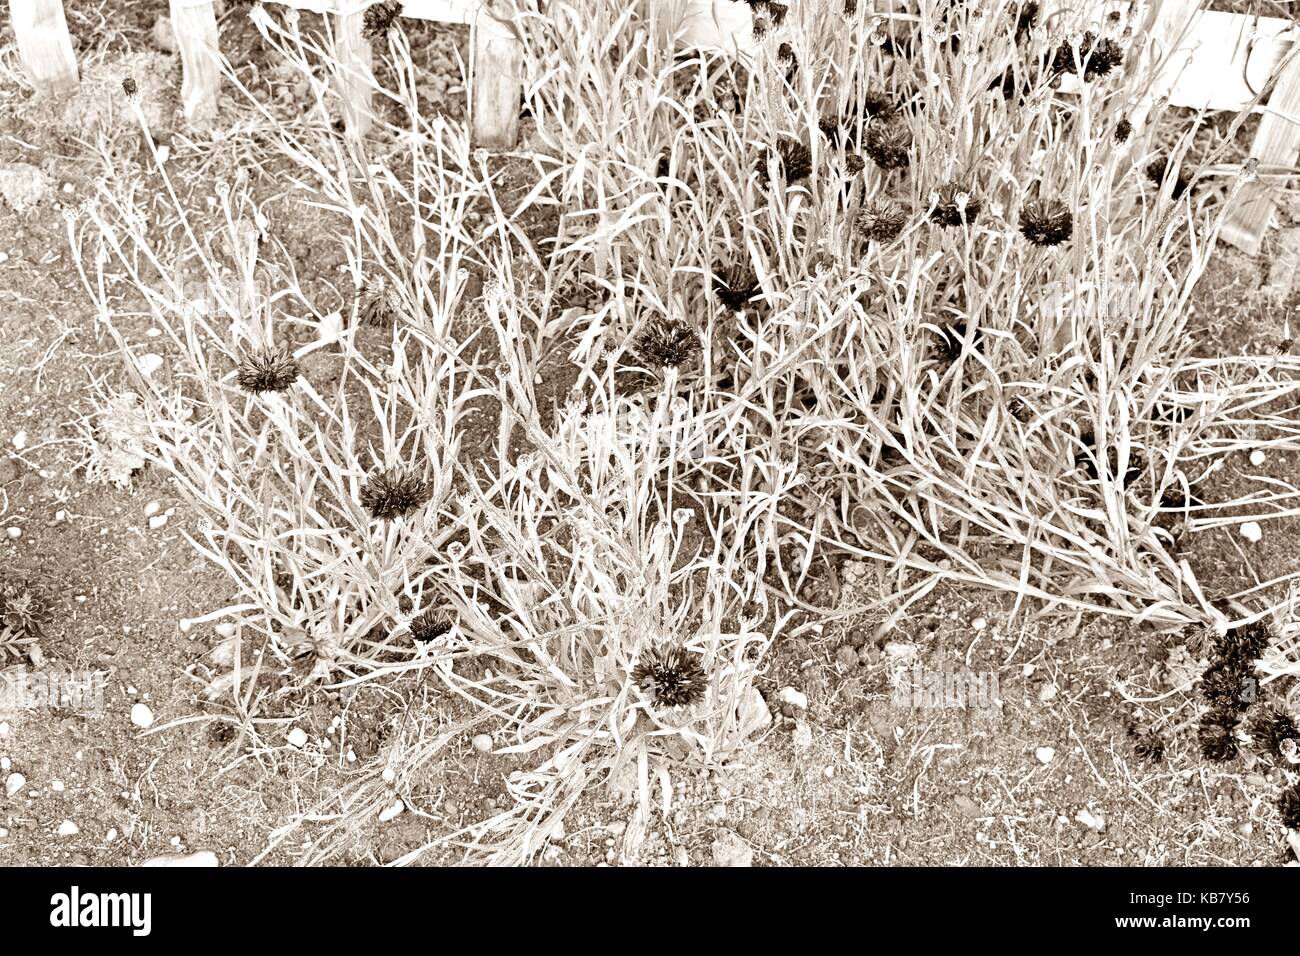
[[1049, 774]]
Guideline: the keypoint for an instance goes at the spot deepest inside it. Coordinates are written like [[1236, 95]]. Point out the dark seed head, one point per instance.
[[1046, 222], [854, 164], [881, 220], [736, 286], [1216, 734], [390, 494], [379, 18], [1229, 685], [889, 144], [672, 677], [1123, 130], [1244, 645], [793, 158], [1288, 807], [378, 303], [129, 86], [1271, 730], [666, 343], [1158, 172], [267, 370], [1096, 57], [430, 625], [1149, 746], [951, 340], [954, 206], [25, 608]]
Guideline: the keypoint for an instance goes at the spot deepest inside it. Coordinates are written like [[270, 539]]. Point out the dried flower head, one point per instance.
[[889, 144], [379, 18], [951, 341], [267, 370], [1217, 734], [854, 164], [1229, 684], [1158, 172], [1288, 807], [390, 494], [881, 220], [1147, 744], [430, 625], [1046, 222], [672, 676], [793, 158], [1123, 130], [1096, 57], [1245, 644], [736, 286], [666, 343], [25, 607], [953, 205], [130, 87], [378, 303], [1271, 729]]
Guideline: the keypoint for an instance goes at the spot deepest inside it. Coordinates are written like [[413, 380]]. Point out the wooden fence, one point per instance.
[[1212, 60]]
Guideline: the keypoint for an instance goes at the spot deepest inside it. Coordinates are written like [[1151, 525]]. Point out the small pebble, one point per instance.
[[979, 623], [67, 828], [142, 716], [1257, 458], [4, 728], [157, 521], [56, 786], [297, 737], [391, 811], [1048, 692], [14, 782], [1251, 531], [1045, 754], [151, 509], [14, 533], [150, 362], [20, 440], [225, 629], [482, 743]]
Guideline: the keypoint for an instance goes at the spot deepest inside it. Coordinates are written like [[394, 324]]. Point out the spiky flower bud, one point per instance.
[[267, 370], [379, 18], [954, 206], [881, 220], [666, 343], [889, 144], [1046, 222], [390, 494], [736, 286], [671, 677]]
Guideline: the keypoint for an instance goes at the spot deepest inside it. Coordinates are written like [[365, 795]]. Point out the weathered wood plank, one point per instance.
[[45, 44], [195, 25], [496, 83], [1276, 146], [355, 61]]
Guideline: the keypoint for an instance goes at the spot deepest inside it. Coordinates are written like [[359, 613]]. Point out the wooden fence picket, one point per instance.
[[45, 44]]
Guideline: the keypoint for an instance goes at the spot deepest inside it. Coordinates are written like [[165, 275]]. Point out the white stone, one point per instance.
[[157, 521], [67, 828], [14, 533], [152, 508], [20, 440], [392, 811], [297, 738], [1251, 531], [56, 786], [225, 629], [1257, 457], [4, 728], [150, 362], [142, 716], [979, 623], [14, 782], [1045, 754], [482, 743], [793, 698], [1095, 822]]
